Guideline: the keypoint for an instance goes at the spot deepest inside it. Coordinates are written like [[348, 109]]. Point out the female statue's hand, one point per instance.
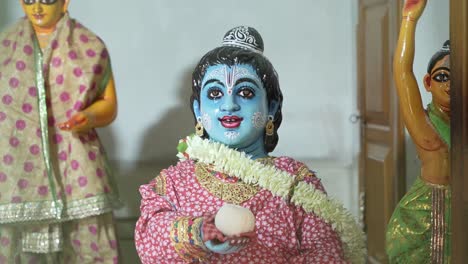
[[80, 122], [413, 9]]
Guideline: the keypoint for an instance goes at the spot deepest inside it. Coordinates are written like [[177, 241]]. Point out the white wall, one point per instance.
[[432, 31], [154, 46]]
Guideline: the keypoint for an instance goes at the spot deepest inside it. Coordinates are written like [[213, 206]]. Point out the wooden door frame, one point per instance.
[[399, 133], [459, 128], [397, 182]]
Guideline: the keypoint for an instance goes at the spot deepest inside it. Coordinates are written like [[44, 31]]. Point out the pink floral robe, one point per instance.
[[285, 233]]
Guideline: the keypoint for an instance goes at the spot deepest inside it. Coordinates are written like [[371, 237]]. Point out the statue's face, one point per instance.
[[440, 83], [233, 105], [44, 13]]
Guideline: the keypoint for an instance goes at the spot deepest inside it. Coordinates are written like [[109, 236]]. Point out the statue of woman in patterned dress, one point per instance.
[[56, 188]]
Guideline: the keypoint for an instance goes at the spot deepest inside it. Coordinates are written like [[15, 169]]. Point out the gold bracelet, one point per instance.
[[186, 239], [408, 18]]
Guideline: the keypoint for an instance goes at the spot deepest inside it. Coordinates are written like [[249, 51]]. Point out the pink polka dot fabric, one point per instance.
[[285, 233], [71, 64], [74, 158], [89, 240]]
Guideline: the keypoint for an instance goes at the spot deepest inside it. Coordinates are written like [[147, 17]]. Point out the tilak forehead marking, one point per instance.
[[231, 75]]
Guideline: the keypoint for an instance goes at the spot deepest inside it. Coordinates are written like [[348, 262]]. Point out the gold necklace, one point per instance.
[[235, 193]]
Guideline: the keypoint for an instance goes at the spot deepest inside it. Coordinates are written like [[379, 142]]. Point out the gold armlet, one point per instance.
[[160, 185]]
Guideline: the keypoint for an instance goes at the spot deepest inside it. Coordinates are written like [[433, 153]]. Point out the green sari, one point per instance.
[[419, 229]]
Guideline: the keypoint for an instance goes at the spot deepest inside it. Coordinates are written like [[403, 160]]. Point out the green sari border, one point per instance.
[[442, 128], [42, 106], [106, 78]]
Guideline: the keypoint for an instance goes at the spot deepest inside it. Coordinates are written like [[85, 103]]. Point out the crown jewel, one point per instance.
[[244, 37]]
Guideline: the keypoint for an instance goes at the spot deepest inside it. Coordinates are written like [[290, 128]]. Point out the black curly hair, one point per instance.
[[440, 54]]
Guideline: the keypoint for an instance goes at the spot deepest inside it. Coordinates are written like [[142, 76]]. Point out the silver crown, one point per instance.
[[244, 37]]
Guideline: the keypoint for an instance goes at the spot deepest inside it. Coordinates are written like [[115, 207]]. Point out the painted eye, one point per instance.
[[215, 94], [48, 2], [28, 2], [246, 93], [441, 77]]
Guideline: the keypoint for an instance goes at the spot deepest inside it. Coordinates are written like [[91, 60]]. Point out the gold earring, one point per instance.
[[270, 126], [199, 131]]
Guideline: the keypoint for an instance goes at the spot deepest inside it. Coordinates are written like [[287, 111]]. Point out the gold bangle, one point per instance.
[[408, 18], [186, 238]]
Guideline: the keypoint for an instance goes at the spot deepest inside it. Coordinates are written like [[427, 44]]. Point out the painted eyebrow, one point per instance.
[[440, 68], [250, 80], [213, 81]]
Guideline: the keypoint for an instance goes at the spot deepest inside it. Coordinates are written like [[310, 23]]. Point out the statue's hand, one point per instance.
[[413, 9], [210, 231], [217, 242], [242, 240], [232, 244], [80, 122]]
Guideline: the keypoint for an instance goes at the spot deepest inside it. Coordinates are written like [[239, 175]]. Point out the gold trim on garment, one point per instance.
[[235, 193], [186, 239], [42, 242], [434, 185], [45, 210], [438, 226], [160, 185], [302, 173]]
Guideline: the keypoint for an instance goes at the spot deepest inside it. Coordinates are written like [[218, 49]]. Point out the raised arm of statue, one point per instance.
[[418, 231], [413, 111]]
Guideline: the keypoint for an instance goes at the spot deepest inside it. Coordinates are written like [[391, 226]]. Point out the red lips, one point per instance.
[[230, 121], [38, 16]]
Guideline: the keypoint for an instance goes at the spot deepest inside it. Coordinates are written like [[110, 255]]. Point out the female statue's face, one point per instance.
[[233, 105], [44, 13], [439, 83]]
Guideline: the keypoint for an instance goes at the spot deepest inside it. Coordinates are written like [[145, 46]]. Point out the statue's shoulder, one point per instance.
[[13, 29], [300, 171], [182, 169], [84, 34], [294, 167]]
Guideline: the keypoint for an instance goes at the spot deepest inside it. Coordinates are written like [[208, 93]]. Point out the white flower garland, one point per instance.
[[280, 183]]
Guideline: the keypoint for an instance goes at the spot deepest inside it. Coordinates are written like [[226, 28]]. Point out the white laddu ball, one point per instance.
[[233, 219]]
